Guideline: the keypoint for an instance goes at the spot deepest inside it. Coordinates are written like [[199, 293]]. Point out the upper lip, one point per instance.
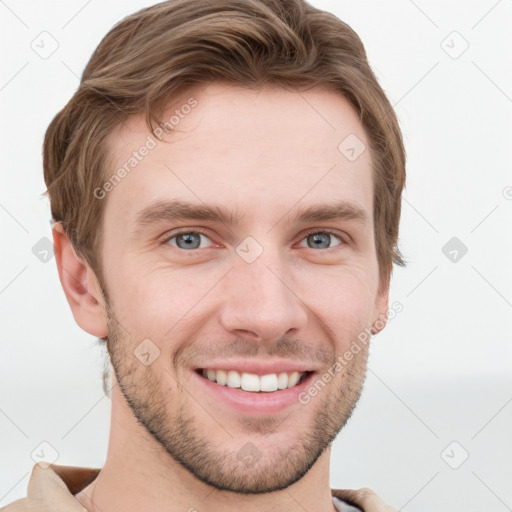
[[259, 367]]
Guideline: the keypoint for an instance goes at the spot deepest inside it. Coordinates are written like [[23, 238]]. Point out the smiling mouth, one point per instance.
[[268, 383]]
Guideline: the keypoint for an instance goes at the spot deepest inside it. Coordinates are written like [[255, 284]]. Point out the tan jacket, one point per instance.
[[53, 489]]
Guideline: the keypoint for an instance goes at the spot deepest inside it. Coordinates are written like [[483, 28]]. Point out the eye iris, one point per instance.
[[192, 240], [320, 240]]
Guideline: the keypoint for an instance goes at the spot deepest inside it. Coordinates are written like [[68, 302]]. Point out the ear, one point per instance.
[[80, 285], [381, 306]]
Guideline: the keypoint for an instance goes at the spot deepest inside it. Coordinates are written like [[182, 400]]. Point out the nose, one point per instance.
[[259, 301]]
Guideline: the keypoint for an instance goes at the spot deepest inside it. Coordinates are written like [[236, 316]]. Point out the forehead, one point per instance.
[[260, 150]]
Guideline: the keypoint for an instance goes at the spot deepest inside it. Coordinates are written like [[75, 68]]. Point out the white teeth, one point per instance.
[[222, 377], [293, 379], [269, 382], [251, 382], [233, 379], [282, 381]]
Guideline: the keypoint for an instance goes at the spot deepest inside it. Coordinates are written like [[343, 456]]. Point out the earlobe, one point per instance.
[[80, 285]]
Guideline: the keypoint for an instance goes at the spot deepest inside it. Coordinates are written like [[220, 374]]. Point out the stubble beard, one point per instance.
[[251, 469]]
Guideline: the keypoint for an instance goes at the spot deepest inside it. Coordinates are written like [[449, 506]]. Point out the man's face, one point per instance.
[[273, 288]]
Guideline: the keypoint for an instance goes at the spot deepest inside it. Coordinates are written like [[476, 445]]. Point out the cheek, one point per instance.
[[342, 298], [155, 299]]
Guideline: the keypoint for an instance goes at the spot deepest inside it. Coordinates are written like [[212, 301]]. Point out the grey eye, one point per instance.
[[191, 240], [320, 240]]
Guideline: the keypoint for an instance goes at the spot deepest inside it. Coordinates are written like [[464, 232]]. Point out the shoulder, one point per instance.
[[21, 505], [51, 488], [364, 498]]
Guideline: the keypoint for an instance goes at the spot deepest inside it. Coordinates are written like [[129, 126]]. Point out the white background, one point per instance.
[[440, 372]]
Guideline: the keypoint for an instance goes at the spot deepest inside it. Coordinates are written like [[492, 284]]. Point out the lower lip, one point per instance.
[[255, 403]]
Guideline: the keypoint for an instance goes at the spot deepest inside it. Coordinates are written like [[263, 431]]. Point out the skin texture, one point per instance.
[[263, 154]]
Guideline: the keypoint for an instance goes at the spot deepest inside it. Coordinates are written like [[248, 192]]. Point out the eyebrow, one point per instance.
[[331, 212], [174, 210]]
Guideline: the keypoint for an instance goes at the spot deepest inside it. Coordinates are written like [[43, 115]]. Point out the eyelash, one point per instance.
[[204, 233]]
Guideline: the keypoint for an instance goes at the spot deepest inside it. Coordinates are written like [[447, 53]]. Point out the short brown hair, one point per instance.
[[151, 56]]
